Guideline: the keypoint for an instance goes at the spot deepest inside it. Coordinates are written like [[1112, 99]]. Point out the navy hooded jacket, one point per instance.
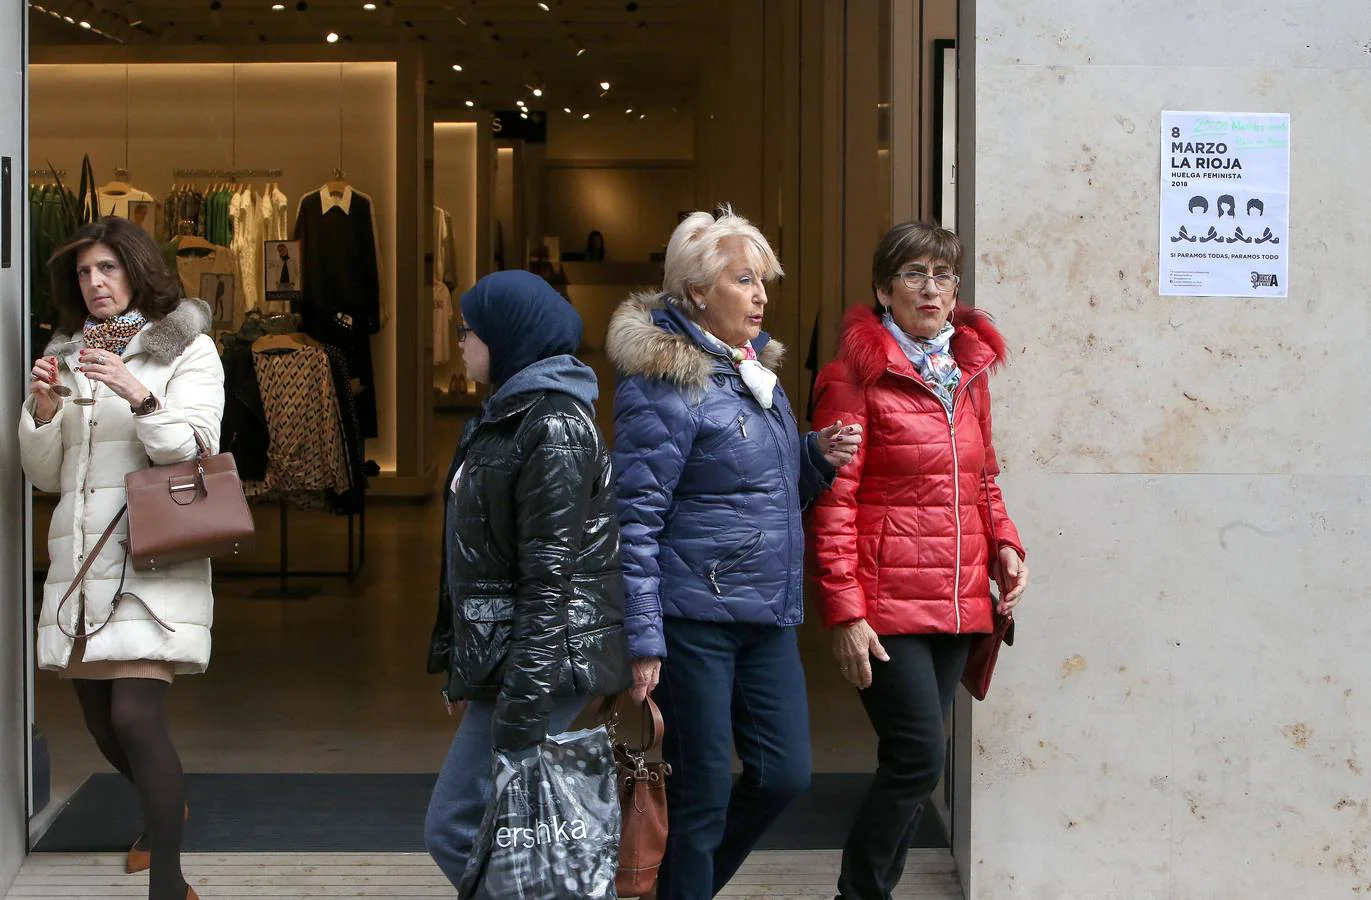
[[711, 485]]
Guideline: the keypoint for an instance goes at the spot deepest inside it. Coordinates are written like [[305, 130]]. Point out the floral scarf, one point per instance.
[[113, 334], [757, 378], [932, 357]]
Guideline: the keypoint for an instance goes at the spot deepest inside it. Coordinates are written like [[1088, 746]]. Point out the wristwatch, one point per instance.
[[149, 405]]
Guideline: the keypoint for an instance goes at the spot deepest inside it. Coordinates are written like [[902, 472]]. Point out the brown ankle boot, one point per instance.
[[139, 859]]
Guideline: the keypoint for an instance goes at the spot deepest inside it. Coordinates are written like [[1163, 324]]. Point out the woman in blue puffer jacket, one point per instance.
[[712, 477]]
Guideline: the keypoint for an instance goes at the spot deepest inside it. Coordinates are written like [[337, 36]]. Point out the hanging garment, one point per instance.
[[275, 215], [341, 302], [245, 210], [444, 249], [192, 264], [442, 324], [115, 201], [306, 451]]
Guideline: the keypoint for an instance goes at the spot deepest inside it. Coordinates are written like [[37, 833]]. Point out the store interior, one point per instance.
[[457, 138]]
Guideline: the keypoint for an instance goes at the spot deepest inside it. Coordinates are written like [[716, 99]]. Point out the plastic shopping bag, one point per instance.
[[552, 831]]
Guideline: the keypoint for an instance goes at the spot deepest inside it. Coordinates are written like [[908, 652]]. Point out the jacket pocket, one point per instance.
[[730, 562], [736, 429], [488, 609]]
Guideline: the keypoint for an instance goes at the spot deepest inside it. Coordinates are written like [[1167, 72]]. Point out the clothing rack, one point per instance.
[[356, 560], [47, 174], [226, 174]]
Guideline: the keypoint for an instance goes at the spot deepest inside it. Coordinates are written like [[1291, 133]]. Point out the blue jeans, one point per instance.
[[466, 785], [727, 685]]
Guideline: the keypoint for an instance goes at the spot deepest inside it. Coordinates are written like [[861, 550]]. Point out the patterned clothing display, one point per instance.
[[306, 451]]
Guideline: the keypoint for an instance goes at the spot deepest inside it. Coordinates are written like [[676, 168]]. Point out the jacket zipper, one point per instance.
[[956, 484], [732, 560]]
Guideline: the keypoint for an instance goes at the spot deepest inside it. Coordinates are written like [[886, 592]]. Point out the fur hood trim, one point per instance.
[[870, 351], [163, 340], [638, 345]]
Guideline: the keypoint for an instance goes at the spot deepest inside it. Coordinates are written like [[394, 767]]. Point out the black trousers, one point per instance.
[[907, 703]]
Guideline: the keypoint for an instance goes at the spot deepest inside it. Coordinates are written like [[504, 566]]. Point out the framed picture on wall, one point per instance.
[[143, 213], [283, 281], [944, 175], [219, 290]]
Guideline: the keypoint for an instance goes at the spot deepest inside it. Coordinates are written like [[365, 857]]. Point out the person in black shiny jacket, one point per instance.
[[531, 602]]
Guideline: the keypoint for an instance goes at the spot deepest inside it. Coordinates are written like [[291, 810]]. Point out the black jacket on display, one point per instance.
[[531, 600]]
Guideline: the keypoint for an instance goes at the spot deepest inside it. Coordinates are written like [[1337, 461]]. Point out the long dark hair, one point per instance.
[[156, 289]]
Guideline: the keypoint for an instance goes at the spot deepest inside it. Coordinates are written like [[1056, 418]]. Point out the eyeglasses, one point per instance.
[[462, 332], [944, 281]]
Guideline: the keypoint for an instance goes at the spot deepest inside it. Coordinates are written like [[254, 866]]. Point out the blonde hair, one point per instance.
[[694, 258]]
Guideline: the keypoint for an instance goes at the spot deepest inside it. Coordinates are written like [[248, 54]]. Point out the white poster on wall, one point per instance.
[[1225, 204]]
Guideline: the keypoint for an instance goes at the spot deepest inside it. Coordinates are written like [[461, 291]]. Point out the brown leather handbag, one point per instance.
[[642, 800], [185, 511], [177, 513]]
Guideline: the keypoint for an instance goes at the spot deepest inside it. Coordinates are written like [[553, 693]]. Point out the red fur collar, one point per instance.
[[870, 350]]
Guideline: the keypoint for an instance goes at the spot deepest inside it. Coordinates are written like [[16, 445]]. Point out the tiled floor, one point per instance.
[[773, 876], [336, 682]]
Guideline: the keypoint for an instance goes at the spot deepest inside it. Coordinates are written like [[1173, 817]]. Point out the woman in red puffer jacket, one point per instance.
[[906, 542]]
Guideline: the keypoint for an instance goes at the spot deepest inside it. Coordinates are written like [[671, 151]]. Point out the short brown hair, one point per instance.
[[156, 290], [912, 240]]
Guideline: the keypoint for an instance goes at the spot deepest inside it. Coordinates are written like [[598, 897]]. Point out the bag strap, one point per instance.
[[119, 592], [653, 726]]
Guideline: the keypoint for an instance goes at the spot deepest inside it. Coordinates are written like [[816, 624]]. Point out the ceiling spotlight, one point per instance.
[[456, 67], [523, 115], [277, 7], [581, 52], [544, 7], [566, 109], [642, 116], [85, 25], [585, 116], [471, 104], [629, 111], [369, 7], [519, 103], [604, 85], [331, 37], [537, 92], [69, 20]]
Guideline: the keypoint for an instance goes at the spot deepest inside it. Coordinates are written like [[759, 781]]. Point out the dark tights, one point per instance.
[[127, 717]]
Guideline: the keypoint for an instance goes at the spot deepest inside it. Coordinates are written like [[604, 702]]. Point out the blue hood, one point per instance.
[[563, 374]]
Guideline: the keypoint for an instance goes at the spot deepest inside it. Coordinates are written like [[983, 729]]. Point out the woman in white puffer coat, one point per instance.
[[130, 343]]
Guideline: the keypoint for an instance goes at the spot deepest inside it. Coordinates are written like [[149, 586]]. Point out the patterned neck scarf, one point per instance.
[[113, 334], [757, 378], [932, 357]]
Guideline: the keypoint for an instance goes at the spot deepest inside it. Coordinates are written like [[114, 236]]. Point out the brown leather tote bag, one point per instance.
[[642, 800]]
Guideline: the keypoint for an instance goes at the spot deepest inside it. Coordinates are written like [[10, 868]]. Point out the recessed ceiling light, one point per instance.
[[69, 20], [604, 85], [642, 116], [629, 111], [331, 37], [85, 25], [456, 67], [585, 116], [519, 103], [277, 7], [544, 7], [523, 115], [471, 103], [566, 109], [581, 52], [369, 7], [537, 92]]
